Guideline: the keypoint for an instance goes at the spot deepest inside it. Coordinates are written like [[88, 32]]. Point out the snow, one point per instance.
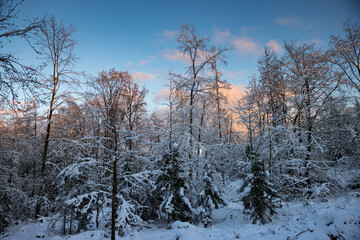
[[179, 224], [340, 216]]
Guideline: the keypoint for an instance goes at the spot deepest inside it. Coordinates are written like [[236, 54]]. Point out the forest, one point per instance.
[[98, 159]]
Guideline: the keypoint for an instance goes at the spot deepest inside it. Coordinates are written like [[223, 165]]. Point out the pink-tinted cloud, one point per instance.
[[282, 21], [221, 36], [233, 75], [142, 77], [275, 46], [142, 63], [170, 34], [246, 45], [235, 92], [177, 56], [161, 96]]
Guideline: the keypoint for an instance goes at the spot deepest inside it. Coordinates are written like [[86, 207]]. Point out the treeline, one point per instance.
[[99, 160]]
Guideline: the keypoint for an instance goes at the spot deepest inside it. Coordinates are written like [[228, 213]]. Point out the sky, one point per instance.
[[140, 36]]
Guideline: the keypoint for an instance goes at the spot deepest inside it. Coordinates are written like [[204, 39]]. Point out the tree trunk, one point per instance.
[[37, 209], [97, 213], [114, 186], [46, 145], [191, 121], [201, 125], [113, 201], [64, 222], [270, 152], [47, 137], [218, 99]]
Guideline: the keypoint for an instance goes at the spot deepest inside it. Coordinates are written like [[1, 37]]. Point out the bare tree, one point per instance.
[[13, 74], [56, 47], [194, 46], [311, 82], [217, 87], [135, 114], [247, 112], [272, 97], [345, 53]]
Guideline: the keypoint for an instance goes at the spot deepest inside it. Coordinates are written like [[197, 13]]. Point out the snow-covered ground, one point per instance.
[[339, 218]]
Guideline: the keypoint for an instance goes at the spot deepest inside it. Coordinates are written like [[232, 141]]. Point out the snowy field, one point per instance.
[[339, 218]]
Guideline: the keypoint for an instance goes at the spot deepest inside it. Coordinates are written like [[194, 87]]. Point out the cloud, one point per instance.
[[177, 56], [317, 41], [234, 75], [170, 34], [142, 77], [235, 92], [142, 63], [275, 46], [294, 21], [129, 65], [246, 29], [221, 36], [161, 96], [282, 21], [161, 111], [246, 45]]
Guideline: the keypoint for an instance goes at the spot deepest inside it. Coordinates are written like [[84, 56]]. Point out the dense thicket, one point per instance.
[[109, 164]]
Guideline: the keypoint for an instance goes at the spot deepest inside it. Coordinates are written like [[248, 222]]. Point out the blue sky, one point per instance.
[[140, 36]]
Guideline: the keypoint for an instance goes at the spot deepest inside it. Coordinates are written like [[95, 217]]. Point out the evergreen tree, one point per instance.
[[5, 209], [171, 189], [127, 216], [258, 200], [80, 197], [209, 198]]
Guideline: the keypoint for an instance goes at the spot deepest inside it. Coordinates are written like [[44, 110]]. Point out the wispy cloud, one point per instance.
[[294, 21], [275, 46], [161, 96], [176, 55], [129, 65], [317, 41], [246, 45], [282, 21], [142, 77], [221, 36], [142, 63], [169, 33], [246, 29], [232, 75]]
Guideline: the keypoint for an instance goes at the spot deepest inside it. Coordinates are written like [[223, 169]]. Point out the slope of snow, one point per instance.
[[339, 217]]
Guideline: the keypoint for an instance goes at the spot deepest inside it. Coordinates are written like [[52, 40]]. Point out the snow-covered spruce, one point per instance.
[[208, 199], [5, 208], [258, 192], [171, 191]]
